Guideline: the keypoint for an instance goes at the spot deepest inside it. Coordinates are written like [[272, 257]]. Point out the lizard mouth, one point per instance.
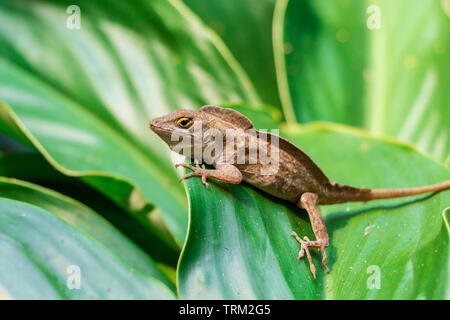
[[163, 133], [156, 126], [153, 124]]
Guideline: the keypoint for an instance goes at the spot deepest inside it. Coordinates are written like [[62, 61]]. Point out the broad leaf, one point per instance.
[[246, 28], [83, 97], [32, 167], [239, 247], [262, 117], [44, 234], [380, 65]]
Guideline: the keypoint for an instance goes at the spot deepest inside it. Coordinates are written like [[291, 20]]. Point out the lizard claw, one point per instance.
[[305, 244], [197, 172]]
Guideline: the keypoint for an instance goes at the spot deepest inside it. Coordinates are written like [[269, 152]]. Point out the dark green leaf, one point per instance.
[[246, 28]]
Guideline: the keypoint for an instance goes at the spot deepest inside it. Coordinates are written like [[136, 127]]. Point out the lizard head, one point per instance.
[[190, 132], [173, 127]]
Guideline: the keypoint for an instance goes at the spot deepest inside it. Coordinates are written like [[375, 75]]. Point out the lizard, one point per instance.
[[297, 178]]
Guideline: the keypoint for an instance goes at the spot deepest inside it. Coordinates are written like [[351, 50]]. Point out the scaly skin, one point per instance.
[[296, 178]]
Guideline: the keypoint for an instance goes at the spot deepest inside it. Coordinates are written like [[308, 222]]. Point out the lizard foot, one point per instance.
[[197, 172], [305, 244]]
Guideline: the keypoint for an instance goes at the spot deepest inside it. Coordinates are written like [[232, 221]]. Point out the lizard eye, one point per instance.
[[184, 122]]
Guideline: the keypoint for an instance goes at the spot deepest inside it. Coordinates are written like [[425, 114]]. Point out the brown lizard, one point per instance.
[[296, 179]]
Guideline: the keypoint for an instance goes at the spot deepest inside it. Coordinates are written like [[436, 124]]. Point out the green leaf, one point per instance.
[[32, 167], [83, 97], [262, 117], [391, 80], [239, 247], [29, 166], [246, 28], [43, 233]]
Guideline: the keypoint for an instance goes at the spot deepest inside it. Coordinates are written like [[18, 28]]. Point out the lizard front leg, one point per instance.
[[223, 172], [308, 201]]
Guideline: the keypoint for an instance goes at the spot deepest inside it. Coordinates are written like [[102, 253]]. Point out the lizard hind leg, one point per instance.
[[308, 201]]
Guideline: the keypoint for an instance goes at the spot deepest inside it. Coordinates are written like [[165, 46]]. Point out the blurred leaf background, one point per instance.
[[85, 183]]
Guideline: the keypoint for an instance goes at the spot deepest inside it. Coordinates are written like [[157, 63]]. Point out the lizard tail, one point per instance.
[[397, 193], [338, 193]]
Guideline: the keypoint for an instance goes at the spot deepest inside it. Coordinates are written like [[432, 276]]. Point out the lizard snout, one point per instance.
[[154, 124]]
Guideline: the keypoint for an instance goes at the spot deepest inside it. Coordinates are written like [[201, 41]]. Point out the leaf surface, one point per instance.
[[246, 28], [47, 239], [379, 65]]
